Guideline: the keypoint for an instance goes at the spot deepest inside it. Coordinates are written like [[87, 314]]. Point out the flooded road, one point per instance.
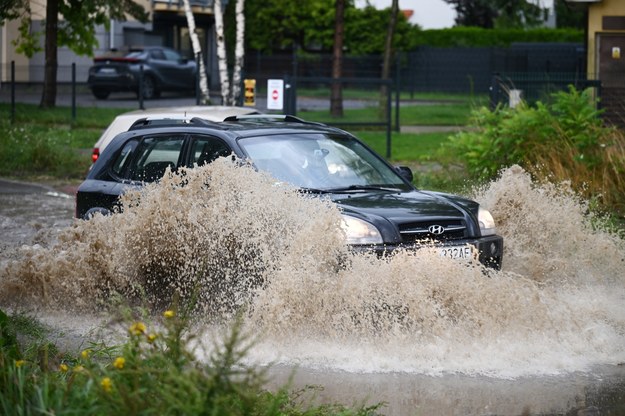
[[546, 335]]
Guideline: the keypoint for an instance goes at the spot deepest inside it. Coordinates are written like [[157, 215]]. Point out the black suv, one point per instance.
[[150, 70], [381, 208]]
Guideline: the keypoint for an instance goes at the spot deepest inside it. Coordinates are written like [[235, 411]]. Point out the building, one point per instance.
[[605, 53], [167, 26]]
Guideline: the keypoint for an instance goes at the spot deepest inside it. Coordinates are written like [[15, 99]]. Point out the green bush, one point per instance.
[[563, 139], [475, 36]]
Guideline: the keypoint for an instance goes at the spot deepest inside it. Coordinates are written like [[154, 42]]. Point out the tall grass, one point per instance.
[[154, 372]]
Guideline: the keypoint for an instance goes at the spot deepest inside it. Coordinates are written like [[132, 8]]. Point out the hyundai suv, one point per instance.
[[382, 210]]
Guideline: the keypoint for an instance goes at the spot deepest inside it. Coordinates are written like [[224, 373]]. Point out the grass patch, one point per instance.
[[436, 114]]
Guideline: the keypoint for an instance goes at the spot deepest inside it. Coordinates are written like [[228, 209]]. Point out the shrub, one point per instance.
[[561, 140], [154, 372]]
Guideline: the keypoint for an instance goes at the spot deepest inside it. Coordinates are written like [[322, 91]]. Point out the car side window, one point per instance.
[[205, 149], [123, 159], [157, 54], [171, 55], [154, 155]]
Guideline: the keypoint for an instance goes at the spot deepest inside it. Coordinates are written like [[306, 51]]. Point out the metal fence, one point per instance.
[[535, 69]]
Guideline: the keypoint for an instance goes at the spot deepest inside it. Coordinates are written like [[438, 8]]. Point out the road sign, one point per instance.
[[275, 94]]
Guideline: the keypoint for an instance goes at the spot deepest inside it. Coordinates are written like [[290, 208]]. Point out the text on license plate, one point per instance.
[[107, 71], [457, 252]]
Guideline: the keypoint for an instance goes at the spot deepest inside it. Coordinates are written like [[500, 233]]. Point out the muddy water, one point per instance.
[[544, 335]]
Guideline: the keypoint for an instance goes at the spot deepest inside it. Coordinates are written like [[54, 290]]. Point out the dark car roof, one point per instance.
[[238, 126]]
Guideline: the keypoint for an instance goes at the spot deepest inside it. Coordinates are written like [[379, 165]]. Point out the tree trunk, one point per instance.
[[224, 79], [336, 96], [197, 52], [239, 51], [48, 97], [388, 54]]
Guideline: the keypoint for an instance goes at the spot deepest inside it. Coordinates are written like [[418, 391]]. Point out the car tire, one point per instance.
[[150, 89], [100, 93]]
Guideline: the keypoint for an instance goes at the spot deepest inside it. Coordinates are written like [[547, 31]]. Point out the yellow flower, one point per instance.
[[151, 338], [79, 369], [64, 368], [119, 363], [137, 328], [85, 354], [169, 314], [19, 363], [106, 384]]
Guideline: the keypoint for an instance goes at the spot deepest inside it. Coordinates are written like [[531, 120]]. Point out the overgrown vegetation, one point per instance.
[[560, 140], [153, 372]]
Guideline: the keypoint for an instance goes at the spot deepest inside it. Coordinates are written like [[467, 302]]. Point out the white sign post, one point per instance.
[[275, 94]]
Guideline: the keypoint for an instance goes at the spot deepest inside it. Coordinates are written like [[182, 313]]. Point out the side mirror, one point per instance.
[[405, 172]]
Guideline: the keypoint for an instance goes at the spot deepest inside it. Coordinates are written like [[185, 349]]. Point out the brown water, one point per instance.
[[555, 310]]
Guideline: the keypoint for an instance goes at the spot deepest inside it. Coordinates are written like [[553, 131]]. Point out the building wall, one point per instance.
[[120, 34], [596, 13]]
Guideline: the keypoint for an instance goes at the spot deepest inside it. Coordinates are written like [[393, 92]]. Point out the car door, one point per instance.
[[177, 71]]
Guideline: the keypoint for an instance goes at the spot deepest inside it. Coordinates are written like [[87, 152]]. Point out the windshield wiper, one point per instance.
[[361, 188]]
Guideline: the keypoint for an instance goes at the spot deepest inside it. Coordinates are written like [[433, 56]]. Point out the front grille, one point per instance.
[[452, 229]]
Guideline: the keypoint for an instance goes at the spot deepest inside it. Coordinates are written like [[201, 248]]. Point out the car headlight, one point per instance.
[[358, 231], [487, 223]]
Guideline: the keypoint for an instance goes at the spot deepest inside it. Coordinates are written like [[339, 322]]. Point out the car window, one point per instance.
[[171, 55], [205, 149], [136, 54], [154, 155], [123, 159], [157, 54]]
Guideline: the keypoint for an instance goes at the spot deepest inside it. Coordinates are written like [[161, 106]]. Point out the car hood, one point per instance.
[[402, 205], [398, 208]]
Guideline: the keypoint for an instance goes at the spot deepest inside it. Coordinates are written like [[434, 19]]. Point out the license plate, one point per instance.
[[108, 71], [457, 252]]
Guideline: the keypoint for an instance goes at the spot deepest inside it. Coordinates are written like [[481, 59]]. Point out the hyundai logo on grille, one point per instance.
[[436, 229]]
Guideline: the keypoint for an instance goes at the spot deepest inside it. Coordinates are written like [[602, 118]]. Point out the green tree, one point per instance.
[[70, 23], [274, 25], [497, 13], [570, 15]]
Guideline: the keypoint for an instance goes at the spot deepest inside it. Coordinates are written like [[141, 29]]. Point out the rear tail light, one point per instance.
[[95, 155]]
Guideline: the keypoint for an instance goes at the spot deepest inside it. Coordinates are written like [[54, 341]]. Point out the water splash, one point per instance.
[[234, 238]]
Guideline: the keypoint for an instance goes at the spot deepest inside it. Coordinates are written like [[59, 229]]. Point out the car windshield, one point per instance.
[[321, 162]]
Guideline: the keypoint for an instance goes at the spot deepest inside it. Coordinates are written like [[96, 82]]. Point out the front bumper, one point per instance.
[[490, 248]]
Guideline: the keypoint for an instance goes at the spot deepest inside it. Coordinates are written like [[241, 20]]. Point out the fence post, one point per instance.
[[397, 92], [73, 91], [12, 92], [197, 79], [494, 91], [388, 118], [141, 87]]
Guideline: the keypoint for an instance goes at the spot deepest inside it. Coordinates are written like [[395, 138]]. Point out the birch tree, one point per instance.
[[197, 52], [239, 51], [230, 92]]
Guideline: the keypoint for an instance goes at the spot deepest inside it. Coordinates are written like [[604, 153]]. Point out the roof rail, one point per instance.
[[271, 117], [173, 120]]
